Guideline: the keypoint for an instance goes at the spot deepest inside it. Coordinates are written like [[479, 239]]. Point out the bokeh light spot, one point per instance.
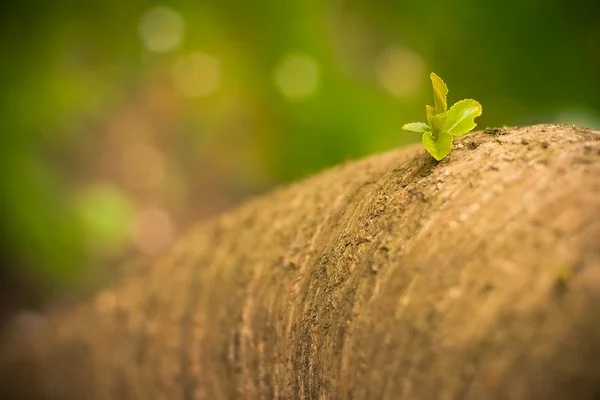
[[399, 71], [161, 29], [152, 230], [105, 212], [297, 76], [144, 166], [197, 74]]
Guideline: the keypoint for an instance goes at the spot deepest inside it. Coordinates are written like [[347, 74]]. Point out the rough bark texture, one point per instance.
[[389, 278]]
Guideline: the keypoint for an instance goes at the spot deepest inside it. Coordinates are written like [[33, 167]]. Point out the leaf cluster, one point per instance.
[[443, 123]]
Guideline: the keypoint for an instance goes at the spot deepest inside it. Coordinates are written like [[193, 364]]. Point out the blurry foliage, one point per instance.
[[124, 122]]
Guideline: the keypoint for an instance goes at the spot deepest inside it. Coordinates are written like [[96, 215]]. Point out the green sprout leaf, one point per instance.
[[443, 124], [437, 123], [416, 127], [460, 119], [430, 113], [440, 90], [438, 147]]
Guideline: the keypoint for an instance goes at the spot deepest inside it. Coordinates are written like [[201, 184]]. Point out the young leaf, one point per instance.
[[430, 113], [440, 90], [416, 127], [437, 123], [460, 119], [438, 147]]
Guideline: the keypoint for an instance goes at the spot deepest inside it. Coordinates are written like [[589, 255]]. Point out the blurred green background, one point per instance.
[[124, 122]]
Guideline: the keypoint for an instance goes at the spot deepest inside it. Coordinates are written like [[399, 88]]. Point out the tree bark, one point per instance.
[[394, 277]]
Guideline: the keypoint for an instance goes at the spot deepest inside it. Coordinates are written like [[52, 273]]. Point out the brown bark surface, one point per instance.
[[393, 277]]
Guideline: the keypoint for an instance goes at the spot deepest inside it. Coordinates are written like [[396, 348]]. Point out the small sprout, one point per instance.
[[443, 124]]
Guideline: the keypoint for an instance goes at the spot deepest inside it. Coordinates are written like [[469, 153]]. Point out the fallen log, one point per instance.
[[394, 277]]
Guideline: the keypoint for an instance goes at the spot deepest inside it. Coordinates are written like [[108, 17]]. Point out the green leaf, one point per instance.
[[430, 113], [460, 119], [438, 147], [416, 127], [437, 123], [440, 90]]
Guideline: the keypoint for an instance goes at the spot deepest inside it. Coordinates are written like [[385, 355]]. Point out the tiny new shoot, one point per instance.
[[443, 123]]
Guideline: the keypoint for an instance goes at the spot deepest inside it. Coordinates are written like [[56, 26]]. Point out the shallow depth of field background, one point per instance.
[[125, 122]]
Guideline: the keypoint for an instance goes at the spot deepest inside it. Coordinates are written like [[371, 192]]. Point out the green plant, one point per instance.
[[443, 124]]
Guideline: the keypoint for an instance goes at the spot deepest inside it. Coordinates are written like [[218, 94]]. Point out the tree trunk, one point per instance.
[[394, 277]]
